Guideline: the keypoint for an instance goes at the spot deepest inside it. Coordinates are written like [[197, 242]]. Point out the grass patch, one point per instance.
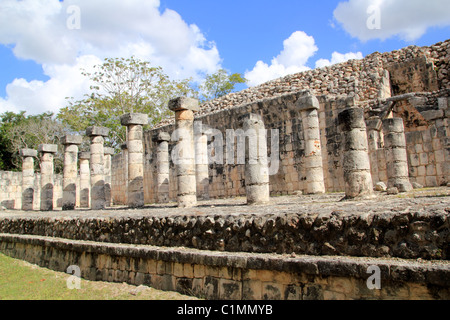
[[20, 280]]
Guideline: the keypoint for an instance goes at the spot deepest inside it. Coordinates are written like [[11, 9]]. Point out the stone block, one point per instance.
[[84, 155], [308, 102], [48, 148], [70, 139], [28, 153], [109, 151], [97, 131], [184, 103], [432, 114], [134, 119], [161, 136], [352, 118]]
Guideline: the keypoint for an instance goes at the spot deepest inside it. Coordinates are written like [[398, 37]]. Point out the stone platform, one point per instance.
[[410, 225], [297, 247]]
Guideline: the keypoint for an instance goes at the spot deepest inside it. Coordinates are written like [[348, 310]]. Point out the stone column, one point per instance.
[[357, 176], [162, 166], [373, 138], [97, 166], [183, 154], [47, 152], [134, 123], [109, 152], [396, 155], [309, 106], [202, 166], [256, 162], [70, 171], [85, 179], [28, 178]]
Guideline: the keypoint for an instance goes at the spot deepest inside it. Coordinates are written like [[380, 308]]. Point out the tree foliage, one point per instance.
[[20, 131], [220, 84], [123, 86]]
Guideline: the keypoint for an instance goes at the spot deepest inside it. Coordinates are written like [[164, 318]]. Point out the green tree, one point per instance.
[[123, 86], [19, 131], [220, 84]]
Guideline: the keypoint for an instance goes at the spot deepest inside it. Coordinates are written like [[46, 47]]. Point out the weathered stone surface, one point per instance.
[[84, 155], [161, 136], [134, 119], [71, 139], [28, 153], [97, 131], [48, 148], [308, 102], [184, 103], [109, 151], [369, 228], [357, 173]]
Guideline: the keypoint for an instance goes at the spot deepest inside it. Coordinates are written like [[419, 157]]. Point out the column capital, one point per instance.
[[184, 103], [84, 155], [134, 119], [109, 151], [393, 125], [307, 102], [48, 148], [161, 136], [97, 131], [71, 139], [28, 153]]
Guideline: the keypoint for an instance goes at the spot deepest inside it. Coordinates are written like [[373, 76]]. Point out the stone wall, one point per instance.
[[411, 83], [11, 190], [395, 229], [215, 275], [364, 79]]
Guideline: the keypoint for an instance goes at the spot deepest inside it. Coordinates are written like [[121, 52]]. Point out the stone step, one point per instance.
[[236, 276]]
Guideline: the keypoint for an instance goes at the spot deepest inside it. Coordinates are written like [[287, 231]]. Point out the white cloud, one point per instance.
[[298, 48], [38, 30], [383, 19], [39, 96], [337, 57]]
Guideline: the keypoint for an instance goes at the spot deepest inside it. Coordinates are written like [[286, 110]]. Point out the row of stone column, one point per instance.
[[356, 161], [95, 173], [190, 158]]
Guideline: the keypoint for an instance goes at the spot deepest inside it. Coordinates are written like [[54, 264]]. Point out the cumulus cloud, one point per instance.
[[298, 49], [337, 57], [383, 19], [63, 40]]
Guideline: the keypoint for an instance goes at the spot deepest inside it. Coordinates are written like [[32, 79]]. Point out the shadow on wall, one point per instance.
[[9, 204], [47, 197], [28, 199]]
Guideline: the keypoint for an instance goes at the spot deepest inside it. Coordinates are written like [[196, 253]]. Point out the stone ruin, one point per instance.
[[351, 132]]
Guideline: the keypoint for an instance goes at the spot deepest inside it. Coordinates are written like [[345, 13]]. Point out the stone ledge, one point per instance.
[[408, 228], [215, 275], [425, 272]]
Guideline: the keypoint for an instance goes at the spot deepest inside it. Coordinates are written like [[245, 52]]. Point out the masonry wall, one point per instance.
[[213, 275], [11, 191], [427, 146], [412, 83]]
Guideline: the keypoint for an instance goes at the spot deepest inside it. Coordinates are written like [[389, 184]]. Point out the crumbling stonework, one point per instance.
[[28, 189], [184, 155], [97, 166], [47, 152]]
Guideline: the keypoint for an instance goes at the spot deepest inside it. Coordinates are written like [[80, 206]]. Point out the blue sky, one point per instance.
[[44, 43]]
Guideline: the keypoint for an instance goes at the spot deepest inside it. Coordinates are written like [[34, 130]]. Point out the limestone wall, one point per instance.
[[214, 276], [11, 190]]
